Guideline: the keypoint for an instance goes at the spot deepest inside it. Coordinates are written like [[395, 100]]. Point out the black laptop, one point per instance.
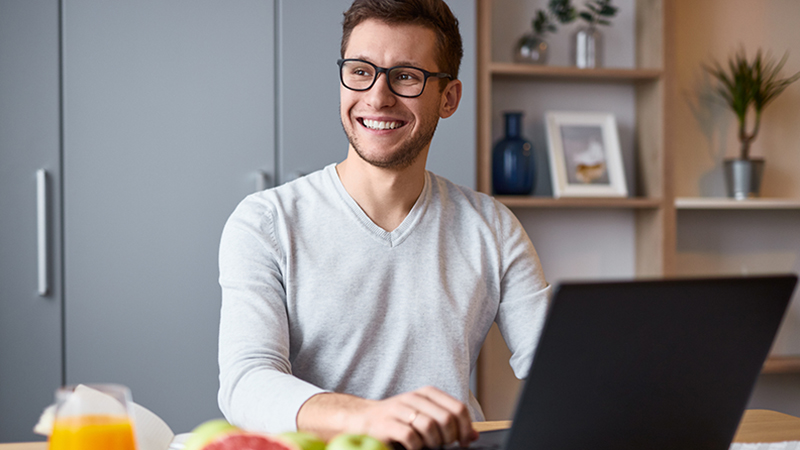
[[656, 364]]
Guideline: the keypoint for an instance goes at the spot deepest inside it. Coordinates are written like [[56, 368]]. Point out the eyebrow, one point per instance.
[[398, 63]]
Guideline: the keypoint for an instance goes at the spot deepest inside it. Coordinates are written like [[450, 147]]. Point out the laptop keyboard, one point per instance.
[[473, 446]]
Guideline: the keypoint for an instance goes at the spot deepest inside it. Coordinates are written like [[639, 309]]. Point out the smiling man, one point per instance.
[[358, 297]]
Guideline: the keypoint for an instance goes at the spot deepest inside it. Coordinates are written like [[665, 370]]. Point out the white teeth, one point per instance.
[[379, 125]]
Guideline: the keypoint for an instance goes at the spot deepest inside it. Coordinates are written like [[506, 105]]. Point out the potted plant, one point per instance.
[[748, 86]]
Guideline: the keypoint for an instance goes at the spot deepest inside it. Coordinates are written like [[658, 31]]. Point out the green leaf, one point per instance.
[[608, 11], [562, 10]]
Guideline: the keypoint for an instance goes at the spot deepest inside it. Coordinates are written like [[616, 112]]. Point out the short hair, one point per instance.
[[432, 14]]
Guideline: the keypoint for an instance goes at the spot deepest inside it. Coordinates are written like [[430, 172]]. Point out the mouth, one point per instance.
[[381, 124]]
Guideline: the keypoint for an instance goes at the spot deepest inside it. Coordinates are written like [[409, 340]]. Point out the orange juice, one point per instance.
[[93, 432]]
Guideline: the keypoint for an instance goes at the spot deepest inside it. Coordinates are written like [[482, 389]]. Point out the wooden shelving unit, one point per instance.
[[712, 203], [579, 202], [652, 204], [784, 364], [781, 365], [573, 73]]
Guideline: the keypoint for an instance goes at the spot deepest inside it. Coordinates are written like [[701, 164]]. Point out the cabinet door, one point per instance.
[[30, 324], [309, 131], [168, 117]]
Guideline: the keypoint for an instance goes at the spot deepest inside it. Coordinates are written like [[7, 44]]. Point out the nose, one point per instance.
[[380, 96]]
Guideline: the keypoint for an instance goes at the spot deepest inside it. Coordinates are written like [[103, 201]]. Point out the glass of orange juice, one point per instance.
[[93, 417]]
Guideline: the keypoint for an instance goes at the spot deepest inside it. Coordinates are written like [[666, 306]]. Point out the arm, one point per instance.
[[257, 389], [525, 294], [424, 417]]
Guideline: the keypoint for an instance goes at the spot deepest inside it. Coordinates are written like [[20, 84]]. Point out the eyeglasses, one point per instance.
[[405, 81]]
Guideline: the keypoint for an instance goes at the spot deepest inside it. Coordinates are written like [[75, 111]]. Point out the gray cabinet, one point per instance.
[[168, 117], [30, 323], [154, 119], [153, 122]]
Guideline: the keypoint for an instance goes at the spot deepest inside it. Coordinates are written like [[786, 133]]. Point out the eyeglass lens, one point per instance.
[[359, 75]]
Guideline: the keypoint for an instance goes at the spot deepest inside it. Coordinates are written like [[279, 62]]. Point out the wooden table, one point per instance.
[[758, 425]]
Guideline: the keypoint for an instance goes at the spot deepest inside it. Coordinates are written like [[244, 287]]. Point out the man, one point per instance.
[[358, 297]]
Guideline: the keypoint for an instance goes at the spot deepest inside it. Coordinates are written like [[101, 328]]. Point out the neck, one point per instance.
[[385, 195]]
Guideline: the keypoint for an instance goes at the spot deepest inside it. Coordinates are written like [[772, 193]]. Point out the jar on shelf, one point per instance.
[[587, 47], [513, 165], [531, 48]]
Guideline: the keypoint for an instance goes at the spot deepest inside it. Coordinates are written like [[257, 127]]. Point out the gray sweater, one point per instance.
[[316, 297]]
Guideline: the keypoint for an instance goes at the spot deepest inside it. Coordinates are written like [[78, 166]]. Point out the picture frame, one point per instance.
[[584, 153]]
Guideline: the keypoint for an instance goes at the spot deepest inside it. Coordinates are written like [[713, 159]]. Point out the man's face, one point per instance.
[[384, 129]]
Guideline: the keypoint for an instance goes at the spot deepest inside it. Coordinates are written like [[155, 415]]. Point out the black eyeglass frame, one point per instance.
[[385, 71]]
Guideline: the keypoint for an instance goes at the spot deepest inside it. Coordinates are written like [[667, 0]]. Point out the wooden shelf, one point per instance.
[[781, 364], [729, 203], [574, 73], [578, 202]]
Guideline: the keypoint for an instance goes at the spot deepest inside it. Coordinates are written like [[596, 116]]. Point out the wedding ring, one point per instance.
[[412, 417]]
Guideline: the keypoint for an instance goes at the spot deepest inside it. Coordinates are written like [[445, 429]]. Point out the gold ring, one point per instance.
[[412, 417]]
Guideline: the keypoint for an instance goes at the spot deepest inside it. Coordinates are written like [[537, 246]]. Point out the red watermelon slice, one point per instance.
[[248, 441]]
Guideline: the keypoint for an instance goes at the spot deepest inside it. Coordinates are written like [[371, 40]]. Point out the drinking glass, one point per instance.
[[93, 417]]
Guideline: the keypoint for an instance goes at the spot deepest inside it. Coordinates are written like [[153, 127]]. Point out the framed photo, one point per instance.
[[585, 158]]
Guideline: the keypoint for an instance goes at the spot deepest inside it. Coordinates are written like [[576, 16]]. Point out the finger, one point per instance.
[[402, 433], [457, 410], [433, 422], [408, 412], [428, 429]]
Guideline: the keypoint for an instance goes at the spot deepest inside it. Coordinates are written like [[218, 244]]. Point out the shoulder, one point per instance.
[[468, 201], [259, 212]]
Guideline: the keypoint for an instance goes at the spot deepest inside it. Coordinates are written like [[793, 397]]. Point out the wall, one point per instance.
[[713, 30], [703, 132]]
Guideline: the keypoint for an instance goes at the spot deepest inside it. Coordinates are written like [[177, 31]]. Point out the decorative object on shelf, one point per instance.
[[743, 86], [585, 157], [587, 42], [513, 166], [533, 48]]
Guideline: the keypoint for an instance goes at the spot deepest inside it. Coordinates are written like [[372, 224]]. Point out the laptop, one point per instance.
[[654, 364]]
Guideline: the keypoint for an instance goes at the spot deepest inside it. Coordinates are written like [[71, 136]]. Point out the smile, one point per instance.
[[381, 125]]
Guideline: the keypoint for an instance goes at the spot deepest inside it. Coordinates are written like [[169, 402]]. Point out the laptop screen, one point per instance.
[[653, 364]]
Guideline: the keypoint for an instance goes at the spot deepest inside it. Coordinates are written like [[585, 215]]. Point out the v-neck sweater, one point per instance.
[[318, 298]]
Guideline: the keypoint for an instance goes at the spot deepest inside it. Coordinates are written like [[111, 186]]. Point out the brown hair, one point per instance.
[[433, 14]]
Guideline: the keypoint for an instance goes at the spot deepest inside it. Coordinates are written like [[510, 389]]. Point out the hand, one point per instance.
[[426, 417]]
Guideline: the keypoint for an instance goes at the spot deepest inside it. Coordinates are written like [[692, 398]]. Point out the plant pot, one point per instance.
[[743, 177]]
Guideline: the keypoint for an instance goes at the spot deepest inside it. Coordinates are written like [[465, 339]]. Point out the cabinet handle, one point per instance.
[[296, 174], [262, 180], [41, 231]]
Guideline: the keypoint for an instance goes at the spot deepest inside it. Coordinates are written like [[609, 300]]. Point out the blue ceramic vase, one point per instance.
[[512, 160]]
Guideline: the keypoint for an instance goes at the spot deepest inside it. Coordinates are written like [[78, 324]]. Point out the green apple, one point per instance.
[[206, 432], [347, 441], [305, 441]]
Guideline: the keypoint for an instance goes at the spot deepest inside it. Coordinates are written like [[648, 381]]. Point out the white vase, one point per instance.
[[587, 47]]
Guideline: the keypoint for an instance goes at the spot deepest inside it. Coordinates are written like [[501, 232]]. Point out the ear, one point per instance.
[[451, 96]]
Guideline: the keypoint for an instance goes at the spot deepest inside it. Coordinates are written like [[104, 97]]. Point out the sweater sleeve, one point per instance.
[[257, 389], [525, 294]]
